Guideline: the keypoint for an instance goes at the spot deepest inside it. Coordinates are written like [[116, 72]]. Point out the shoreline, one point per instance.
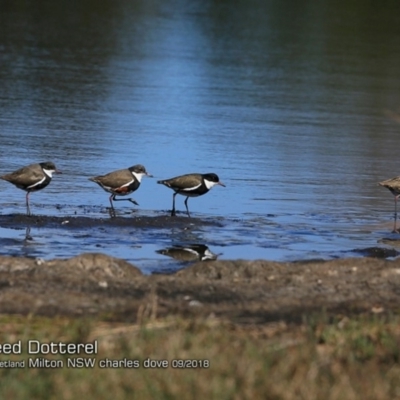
[[243, 292]]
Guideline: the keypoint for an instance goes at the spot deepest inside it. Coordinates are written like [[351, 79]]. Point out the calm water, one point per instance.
[[295, 106]]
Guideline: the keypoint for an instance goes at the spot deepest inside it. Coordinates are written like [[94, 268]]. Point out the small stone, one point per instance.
[[195, 303]]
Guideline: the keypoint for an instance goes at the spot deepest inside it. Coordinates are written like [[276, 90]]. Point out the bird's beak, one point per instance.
[[221, 184], [57, 171], [149, 175]]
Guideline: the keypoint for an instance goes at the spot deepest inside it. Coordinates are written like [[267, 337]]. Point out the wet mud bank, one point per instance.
[[240, 291], [80, 222]]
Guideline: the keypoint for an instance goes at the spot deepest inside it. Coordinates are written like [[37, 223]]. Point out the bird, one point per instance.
[[393, 185], [32, 178], [122, 182], [190, 185]]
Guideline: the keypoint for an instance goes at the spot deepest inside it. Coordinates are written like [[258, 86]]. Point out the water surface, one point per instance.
[[295, 106]]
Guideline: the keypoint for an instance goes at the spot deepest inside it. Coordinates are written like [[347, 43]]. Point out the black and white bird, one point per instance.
[[122, 182], [32, 178], [190, 185]]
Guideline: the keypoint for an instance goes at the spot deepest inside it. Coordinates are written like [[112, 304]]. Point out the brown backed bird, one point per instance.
[[122, 182], [190, 185], [393, 185], [32, 178]]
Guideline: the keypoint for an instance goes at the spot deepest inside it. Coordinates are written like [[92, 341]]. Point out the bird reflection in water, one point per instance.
[[191, 252], [28, 234]]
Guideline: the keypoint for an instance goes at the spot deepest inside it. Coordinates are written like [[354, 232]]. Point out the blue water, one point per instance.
[[297, 109]]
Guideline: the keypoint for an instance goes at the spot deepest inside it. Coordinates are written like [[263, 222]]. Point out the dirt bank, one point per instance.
[[241, 291]]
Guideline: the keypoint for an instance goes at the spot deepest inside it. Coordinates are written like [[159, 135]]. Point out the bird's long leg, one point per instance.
[[173, 213], [187, 208], [395, 212], [28, 209], [131, 200], [112, 197], [112, 210]]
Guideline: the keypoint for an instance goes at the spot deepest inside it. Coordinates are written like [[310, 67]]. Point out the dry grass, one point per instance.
[[322, 358]]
